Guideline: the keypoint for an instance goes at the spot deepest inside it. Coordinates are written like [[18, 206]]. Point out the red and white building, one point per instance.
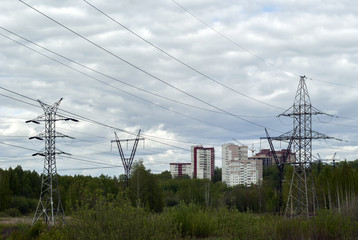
[[180, 169], [266, 156], [202, 162]]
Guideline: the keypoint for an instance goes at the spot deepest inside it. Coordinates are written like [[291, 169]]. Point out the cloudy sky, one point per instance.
[[184, 72]]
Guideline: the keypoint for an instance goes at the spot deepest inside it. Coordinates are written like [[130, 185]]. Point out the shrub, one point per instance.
[[116, 219], [328, 225], [12, 212], [194, 220], [233, 224]]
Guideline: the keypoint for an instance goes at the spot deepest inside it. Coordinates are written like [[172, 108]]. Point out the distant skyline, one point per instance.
[[185, 73]]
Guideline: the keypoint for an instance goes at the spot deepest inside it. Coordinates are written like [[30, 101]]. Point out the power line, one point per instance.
[[8, 136], [85, 119], [233, 42], [144, 71], [133, 95], [149, 137], [16, 146], [68, 156], [252, 53], [86, 168], [94, 168], [16, 98], [12, 118], [332, 83], [92, 161], [178, 60], [96, 71]]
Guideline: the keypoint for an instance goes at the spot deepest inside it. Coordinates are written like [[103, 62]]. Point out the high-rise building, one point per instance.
[[237, 168], [180, 169], [202, 162]]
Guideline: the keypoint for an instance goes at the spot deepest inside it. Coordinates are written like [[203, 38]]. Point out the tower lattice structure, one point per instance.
[[49, 206], [127, 162], [301, 199]]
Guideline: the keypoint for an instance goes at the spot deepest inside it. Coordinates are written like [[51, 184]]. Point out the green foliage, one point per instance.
[[36, 230], [102, 208], [193, 219], [24, 232], [12, 212], [233, 224], [115, 218], [164, 176], [217, 175], [144, 189], [5, 191], [199, 191], [23, 204], [328, 225]]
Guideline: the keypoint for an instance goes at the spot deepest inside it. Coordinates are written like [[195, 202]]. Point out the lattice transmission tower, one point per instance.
[[301, 197], [49, 206], [127, 162], [280, 164]]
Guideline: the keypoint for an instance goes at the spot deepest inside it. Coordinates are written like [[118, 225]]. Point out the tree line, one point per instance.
[[155, 206], [336, 188]]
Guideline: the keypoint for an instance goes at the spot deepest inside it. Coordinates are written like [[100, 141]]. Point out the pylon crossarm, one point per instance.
[[120, 150], [134, 149]]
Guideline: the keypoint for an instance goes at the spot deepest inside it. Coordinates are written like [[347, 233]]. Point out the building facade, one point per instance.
[[267, 158], [202, 162], [237, 168], [180, 169]]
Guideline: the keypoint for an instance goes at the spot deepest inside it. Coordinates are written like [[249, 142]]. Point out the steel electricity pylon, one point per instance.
[[280, 164], [127, 162], [301, 197], [49, 206]]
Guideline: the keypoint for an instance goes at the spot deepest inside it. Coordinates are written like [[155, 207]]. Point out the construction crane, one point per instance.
[[252, 150], [238, 142]]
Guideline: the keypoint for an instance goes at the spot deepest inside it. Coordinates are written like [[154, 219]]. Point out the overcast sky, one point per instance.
[[184, 72]]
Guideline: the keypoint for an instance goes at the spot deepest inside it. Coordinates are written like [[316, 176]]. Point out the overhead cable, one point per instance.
[[178, 60], [144, 71]]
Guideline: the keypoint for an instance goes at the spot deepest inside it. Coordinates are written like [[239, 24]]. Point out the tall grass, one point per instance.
[[194, 221], [116, 219]]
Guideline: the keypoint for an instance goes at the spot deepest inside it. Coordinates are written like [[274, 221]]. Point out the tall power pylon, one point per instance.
[[280, 164], [127, 162], [302, 197], [49, 206]]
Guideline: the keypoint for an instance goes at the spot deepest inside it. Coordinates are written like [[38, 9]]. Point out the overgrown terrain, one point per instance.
[[158, 207]]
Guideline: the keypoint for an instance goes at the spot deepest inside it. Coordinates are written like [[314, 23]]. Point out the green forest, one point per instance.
[[155, 206]]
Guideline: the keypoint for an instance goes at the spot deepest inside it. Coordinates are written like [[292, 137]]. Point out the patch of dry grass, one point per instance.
[[16, 220]]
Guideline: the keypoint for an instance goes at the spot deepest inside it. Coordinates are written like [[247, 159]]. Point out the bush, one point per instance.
[[233, 224], [194, 221], [115, 219], [36, 230], [328, 225], [12, 212]]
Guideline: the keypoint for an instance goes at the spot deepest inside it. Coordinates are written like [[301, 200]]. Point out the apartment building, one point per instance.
[[237, 168], [202, 162], [267, 158], [180, 169]]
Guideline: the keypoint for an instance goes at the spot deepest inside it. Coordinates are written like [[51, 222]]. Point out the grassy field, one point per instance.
[[119, 220]]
